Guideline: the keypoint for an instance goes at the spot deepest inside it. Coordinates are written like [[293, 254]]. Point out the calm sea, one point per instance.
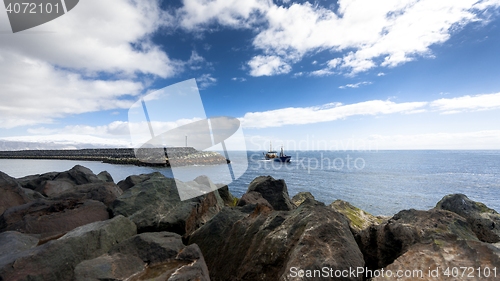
[[382, 182]]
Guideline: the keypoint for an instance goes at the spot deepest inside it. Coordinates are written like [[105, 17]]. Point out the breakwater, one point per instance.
[[175, 156]]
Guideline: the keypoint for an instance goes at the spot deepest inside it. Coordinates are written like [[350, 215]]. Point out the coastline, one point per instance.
[[50, 219]]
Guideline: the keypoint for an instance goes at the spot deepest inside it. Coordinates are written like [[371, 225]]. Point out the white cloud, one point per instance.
[[52, 70], [379, 33], [206, 80], [324, 113], [467, 103], [35, 92], [268, 66], [240, 79], [197, 13], [321, 72], [94, 37], [380, 74], [335, 111], [355, 85]]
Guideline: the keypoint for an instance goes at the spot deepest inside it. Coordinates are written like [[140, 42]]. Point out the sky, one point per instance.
[[309, 75]]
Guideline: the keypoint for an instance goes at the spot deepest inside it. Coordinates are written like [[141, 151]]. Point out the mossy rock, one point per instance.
[[358, 219]]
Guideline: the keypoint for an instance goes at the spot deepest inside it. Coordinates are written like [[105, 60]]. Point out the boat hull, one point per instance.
[[283, 159]]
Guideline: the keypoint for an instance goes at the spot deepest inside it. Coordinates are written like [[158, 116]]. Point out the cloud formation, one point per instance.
[[375, 33], [356, 85], [467, 103], [335, 111], [54, 70], [324, 113]]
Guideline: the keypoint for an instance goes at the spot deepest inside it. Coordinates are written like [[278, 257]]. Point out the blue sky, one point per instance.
[[349, 74]]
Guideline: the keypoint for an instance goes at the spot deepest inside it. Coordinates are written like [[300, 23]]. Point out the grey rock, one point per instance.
[[252, 198], [485, 222], [109, 267], [151, 247], [11, 193], [384, 243], [358, 219], [265, 245], [105, 176], [461, 255], [225, 194], [105, 192], [50, 219], [34, 182], [130, 181], [77, 175], [57, 259], [196, 269], [14, 242], [274, 191], [300, 197], [154, 205]]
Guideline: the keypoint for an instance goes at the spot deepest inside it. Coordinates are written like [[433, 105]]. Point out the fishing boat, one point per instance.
[[282, 157], [273, 155]]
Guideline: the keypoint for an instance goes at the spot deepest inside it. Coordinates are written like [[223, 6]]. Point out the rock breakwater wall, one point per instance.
[[174, 156], [76, 225]]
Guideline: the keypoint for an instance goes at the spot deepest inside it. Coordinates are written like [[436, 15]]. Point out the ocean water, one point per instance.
[[380, 182]]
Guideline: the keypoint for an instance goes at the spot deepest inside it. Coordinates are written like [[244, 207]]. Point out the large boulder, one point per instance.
[[485, 222], [50, 219], [132, 180], [196, 269], [382, 244], [79, 182], [105, 176], [300, 197], [11, 193], [228, 198], [57, 259], [253, 243], [105, 192], [274, 191], [77, 175], [155, 205], [253, 198], [151, 247], [444, 260], [36, 181], [358, 219], [109, 267], [147, 256], [12, 243]]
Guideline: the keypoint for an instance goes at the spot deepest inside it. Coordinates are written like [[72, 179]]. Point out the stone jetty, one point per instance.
[[175, 156], [76, 225]]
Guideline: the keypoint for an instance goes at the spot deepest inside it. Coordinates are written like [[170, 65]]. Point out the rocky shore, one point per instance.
[[76, 225], [175, 156]]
